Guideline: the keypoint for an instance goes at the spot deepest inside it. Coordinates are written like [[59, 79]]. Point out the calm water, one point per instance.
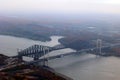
[[78, 67], [88, 67], [10, 44]]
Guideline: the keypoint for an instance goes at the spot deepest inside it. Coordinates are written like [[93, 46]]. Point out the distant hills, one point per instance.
[[24, 28], [76, 35]]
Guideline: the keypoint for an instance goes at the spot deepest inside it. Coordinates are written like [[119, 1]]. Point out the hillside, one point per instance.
[[24, 28], [78, 37]]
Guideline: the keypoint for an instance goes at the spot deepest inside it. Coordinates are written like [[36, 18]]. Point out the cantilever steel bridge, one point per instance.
[[38, 51]]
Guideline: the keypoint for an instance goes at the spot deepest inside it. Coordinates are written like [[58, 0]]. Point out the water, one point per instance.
[[88, 67], [10, 44], [78, 67]]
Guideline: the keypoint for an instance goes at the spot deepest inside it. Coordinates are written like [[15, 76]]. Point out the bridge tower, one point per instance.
[[19, 55], [45, 61], [99, 46]]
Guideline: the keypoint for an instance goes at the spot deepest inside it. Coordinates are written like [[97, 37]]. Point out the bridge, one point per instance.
[[45, 59], [37, 52]]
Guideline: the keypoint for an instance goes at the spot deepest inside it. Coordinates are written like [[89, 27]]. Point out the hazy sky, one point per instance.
[[60, 6]]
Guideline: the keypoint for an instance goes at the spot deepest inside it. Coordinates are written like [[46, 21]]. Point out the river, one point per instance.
[[78, 67]]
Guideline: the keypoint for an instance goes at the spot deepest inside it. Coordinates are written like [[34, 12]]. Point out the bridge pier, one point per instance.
[[36, 58], [20, 57]]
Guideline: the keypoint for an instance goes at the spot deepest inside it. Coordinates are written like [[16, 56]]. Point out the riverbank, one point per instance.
[[15, 69]]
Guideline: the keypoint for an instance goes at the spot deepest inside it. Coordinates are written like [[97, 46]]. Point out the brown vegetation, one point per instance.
[[21, 71]]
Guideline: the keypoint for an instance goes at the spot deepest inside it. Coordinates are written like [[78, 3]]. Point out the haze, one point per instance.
[[60, 6]]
